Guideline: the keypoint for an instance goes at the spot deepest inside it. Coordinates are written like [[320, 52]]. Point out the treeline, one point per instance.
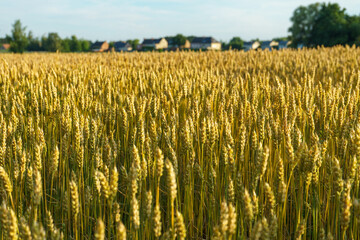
[[21, 41], [324, 24], [52, 43]]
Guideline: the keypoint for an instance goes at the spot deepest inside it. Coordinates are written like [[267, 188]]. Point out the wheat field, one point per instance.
[[181, 145]]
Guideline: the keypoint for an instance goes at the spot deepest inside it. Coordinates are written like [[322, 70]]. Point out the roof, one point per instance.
[[121, 44], [274, 44], [151, 40], [204, 40], [249, 43], [269, 44], [283, 42], [97, 44], [5, 46], [170, 41], [252, 45]]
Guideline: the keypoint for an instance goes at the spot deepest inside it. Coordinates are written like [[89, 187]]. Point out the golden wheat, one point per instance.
[[186, 145]]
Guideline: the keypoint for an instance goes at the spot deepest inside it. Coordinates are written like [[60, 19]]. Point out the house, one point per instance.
[[5, 46], [154, 44], [269, 45], [99, 46], [253, 45], [173, 46], [300, 46], [121, 46], [207, 43], [284, 44]]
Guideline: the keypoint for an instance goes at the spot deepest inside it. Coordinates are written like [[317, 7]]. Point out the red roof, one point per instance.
[[5, 46]]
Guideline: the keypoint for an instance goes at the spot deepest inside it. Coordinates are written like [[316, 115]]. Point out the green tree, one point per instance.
[[85, 45], [43, 42], [179, 40], [134, 43], [329, 27], [236, 43], [65, 45], [353, 29], [190, 38], [303, 21], [75, 44], [278, 39], [52, 42], [34, 43], [324, 24], [224, 45], [18, 40]]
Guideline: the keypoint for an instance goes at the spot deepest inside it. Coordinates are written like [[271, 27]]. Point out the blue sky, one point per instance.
[[127, 19]]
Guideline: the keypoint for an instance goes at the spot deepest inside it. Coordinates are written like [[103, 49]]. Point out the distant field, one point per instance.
[[187, 145]]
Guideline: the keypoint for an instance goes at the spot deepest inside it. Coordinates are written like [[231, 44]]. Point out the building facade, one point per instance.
[[99, 46], [121, 46], [154, 44], [205, 43], [253, 45]]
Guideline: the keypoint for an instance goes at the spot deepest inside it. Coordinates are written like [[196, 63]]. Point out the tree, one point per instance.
[[236, 43], [52, 42], [18, 40], [179, 40], [303, 21], [34, 43], [278, 39], [329, 27], [134, 43], [353, 29], [66, 45], [324, 24], [43, 42], [190, 38], [85, 45], [75, 44]]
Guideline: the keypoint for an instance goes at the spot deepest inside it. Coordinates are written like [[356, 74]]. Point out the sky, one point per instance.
[[114, 20]]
